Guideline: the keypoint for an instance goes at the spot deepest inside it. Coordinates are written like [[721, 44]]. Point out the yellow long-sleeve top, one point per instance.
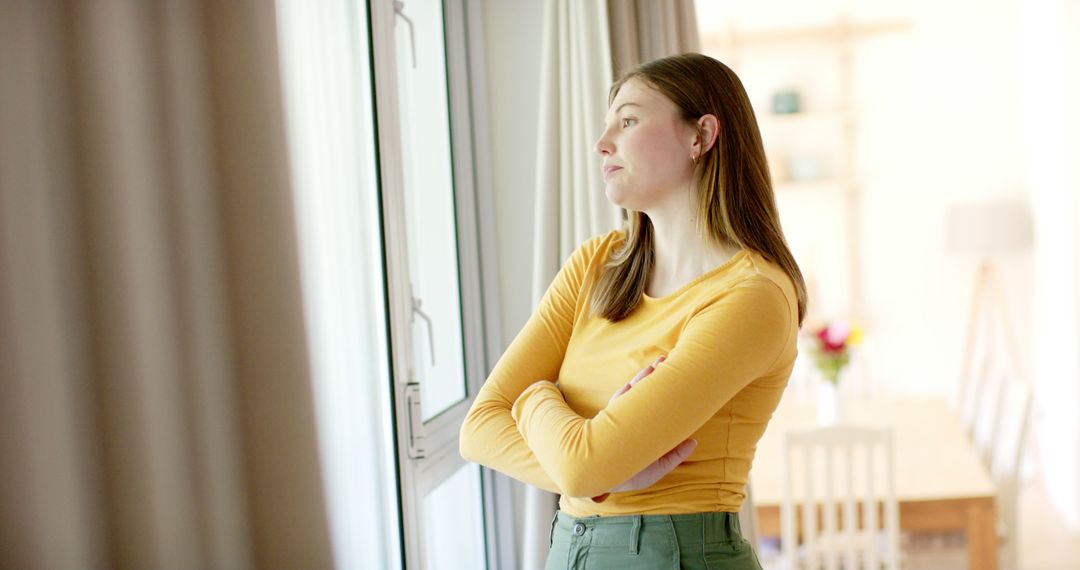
[[730, 339]]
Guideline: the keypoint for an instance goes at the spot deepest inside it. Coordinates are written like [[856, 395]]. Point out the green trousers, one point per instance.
[[653, 542]]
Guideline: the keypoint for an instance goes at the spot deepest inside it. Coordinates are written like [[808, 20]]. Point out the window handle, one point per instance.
[[431, 330], [399, 8]]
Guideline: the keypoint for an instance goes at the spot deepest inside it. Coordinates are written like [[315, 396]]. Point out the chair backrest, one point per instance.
[[835, 478], [1015, 415], [987, 421], [973, 389], [977, 349]]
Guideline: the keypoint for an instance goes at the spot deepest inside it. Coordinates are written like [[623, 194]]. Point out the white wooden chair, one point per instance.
[[1011, 399], [987, 420], [1005, 464], [840, 472], [972, 391]]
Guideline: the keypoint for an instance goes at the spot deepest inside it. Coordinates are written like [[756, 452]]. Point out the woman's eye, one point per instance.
[[624, 121]]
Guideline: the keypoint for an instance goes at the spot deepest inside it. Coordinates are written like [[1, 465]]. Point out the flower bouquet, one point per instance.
[[830, 345]]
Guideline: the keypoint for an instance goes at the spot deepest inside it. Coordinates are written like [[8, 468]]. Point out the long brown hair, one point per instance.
[[735, 197]]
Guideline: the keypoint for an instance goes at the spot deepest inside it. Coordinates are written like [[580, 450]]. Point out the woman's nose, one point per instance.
[[602, 147]]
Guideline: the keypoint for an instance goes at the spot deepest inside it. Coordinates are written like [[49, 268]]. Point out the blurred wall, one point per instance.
[[1052, 83], [973, 103], [938, 121]]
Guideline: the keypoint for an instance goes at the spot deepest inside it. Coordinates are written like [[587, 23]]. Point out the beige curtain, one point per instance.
[[584, 44], [643, 30], [155, 403]]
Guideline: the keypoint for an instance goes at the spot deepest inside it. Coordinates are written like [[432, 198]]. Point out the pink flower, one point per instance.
[[828, 344], [831, 346], [837, 333]]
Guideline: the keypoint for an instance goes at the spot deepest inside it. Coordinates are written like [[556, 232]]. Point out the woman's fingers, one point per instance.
[[646, 371], [637, 378], [622, 390], [673, 458], [658, 469]]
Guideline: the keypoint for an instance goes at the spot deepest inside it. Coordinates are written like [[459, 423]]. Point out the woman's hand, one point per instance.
[[656, 471], [637, 378]]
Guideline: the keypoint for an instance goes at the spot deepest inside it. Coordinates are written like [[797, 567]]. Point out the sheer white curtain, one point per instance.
[[156, 409], [584, 43], [329, 107], [575, 73]]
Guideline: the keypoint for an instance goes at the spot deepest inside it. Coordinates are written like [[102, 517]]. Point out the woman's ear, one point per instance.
[[708, 129]]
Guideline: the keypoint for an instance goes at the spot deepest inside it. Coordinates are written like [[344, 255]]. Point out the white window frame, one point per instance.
[[477, 256]]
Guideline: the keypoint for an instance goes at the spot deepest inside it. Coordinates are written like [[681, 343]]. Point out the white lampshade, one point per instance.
[[988, 228]]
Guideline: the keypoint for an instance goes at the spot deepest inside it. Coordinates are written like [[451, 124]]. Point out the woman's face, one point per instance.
[[646, 148]]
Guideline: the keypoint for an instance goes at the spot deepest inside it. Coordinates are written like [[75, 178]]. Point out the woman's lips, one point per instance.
[[608, 170]]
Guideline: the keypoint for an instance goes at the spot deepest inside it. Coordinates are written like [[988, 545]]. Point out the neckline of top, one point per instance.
[[718, 269]]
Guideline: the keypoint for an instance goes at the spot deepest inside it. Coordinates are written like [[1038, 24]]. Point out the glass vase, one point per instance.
[[829, 406]]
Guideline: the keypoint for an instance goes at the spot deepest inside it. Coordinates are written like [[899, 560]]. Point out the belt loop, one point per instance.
[[551, 533], [635, 533], [733, 530]]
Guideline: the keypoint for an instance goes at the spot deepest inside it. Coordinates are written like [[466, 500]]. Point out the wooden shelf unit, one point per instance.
[[842, 30], [843, 34]]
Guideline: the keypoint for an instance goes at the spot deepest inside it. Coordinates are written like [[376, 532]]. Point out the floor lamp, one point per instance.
[[987, 230]]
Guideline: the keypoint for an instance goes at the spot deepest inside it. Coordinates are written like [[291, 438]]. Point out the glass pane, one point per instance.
[[327, 86], [453, 522], [423, 107]]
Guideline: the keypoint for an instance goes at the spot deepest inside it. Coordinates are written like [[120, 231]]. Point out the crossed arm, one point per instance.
[[526, 430], [723, 349], [489, 435]]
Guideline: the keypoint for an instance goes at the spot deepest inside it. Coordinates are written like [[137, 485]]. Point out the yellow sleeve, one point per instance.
[[489, 435], [728, 344]]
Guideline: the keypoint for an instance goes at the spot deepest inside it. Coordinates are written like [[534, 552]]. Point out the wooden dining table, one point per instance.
[[941, 484]]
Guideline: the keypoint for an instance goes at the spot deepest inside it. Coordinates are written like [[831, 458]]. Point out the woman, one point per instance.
[[701, 286]]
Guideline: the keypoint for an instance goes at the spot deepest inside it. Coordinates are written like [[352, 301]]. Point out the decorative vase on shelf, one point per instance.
[[804, 168], [786, 102]]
